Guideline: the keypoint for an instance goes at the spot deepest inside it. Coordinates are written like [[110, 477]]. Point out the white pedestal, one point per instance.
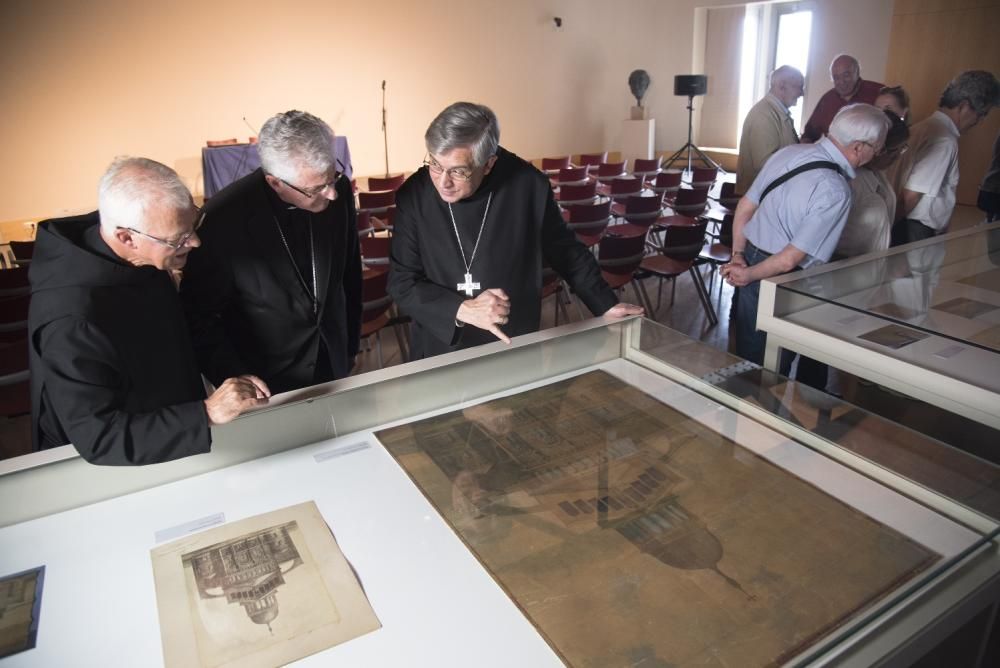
[[638, 139]]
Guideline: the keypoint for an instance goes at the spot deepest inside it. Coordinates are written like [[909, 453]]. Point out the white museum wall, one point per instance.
[[84, 82]]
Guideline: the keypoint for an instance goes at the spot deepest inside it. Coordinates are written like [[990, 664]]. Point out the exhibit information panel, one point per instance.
[[924, 319]]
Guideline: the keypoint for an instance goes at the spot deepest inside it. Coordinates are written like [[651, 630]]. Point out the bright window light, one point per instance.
[[792, 48], [748, 64]]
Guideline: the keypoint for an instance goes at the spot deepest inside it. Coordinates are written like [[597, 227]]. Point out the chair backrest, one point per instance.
[[646, 167], [643, 209], [726, 230], [375, 299], [593, 159], [14, 282], [610, 170], [572, 175], [690, 202], [14, 359], [375, 251], [624, 187], [577, 193], [668, 181], [555, 164], [385, 182], [365, 226], [14, 318], [22, 250], [727, 195], [683, 239], [376, 201], [703, 177], [590, 218], [621, 255]]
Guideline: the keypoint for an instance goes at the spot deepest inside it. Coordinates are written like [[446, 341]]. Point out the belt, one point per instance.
[[751, 246]]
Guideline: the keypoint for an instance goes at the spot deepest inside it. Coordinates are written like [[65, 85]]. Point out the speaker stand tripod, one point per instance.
[[690, 147]]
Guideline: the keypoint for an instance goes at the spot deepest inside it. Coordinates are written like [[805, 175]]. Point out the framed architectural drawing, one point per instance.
[[20, 608], [262, 591], [629, 533]]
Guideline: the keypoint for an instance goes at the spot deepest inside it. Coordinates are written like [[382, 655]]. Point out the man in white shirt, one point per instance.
[[930, 171]]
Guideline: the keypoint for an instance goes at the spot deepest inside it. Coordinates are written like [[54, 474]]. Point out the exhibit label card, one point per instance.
[[263, 591]]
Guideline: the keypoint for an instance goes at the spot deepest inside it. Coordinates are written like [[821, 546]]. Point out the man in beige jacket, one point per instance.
[[768, 126]]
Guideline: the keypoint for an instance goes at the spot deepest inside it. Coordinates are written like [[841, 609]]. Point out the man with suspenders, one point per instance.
[[792, 216]]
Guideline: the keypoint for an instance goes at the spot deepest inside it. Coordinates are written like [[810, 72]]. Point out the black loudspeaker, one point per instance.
[[690, 84]]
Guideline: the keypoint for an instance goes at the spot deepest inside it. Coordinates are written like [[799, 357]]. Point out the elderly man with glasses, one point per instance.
[[112, 366], [474, 229], [792, 217], [275, 288], [928, 174]]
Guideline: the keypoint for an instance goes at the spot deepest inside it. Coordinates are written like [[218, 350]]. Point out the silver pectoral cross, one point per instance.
[[468, 286]]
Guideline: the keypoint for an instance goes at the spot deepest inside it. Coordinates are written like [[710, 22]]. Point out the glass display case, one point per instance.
[[595, 494], [923, 320]]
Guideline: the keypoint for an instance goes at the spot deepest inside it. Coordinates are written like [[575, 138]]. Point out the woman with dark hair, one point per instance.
[[896, 100]]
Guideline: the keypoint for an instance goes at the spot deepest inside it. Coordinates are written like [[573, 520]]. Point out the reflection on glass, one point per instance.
[[627, 531]]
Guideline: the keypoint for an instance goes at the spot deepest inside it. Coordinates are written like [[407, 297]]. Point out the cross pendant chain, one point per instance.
[[468, 286]]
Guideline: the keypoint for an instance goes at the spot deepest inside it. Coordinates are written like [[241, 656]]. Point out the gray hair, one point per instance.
[[292, 140], [465, 124], [785, 73], [977, 87], [133, 186], [855, 65], [859, 123]]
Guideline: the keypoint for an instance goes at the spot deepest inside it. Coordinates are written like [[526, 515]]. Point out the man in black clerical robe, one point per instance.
[[474, 229], [275, 288], [112, 367]]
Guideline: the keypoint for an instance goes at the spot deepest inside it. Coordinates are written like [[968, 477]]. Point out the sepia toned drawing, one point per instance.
[[893, 336], [629, 533], [965, 308], [20, 609], [263, 591]]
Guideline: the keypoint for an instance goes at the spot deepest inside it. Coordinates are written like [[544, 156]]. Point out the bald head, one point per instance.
[[787, 85], [845, 72]]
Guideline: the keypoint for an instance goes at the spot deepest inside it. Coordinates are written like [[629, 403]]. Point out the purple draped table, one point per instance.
[[221, 165]]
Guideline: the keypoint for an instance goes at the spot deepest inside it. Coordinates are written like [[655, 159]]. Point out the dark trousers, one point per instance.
[[908, 230], [750, 342]]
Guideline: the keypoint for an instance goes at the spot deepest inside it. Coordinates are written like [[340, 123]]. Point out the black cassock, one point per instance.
[[112, 367], [249, 299], [524, 231]]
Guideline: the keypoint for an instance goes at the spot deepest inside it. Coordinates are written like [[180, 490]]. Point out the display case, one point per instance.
[[923, 319], [596, 494]]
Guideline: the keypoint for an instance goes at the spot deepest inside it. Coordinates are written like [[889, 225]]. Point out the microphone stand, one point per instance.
[[385, 135]]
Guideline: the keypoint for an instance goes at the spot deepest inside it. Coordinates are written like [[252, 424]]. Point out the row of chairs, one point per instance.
[[15, 296]]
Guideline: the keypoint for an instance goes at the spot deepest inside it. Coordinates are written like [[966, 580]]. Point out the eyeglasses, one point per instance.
[[876, 150], [454, 173], [316, 190], [175, 245]]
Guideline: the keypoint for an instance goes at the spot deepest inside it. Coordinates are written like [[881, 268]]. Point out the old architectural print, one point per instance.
[[263, 591], [631, 535], [20, 608]]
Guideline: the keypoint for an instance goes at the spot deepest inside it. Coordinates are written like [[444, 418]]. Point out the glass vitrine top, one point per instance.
[[946, 287]]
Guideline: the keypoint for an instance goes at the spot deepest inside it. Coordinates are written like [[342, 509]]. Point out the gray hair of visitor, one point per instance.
[[783, 74], [861, 123], [292, 140], [132, 186], [465, 124], [849, 58], [977, 87]]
